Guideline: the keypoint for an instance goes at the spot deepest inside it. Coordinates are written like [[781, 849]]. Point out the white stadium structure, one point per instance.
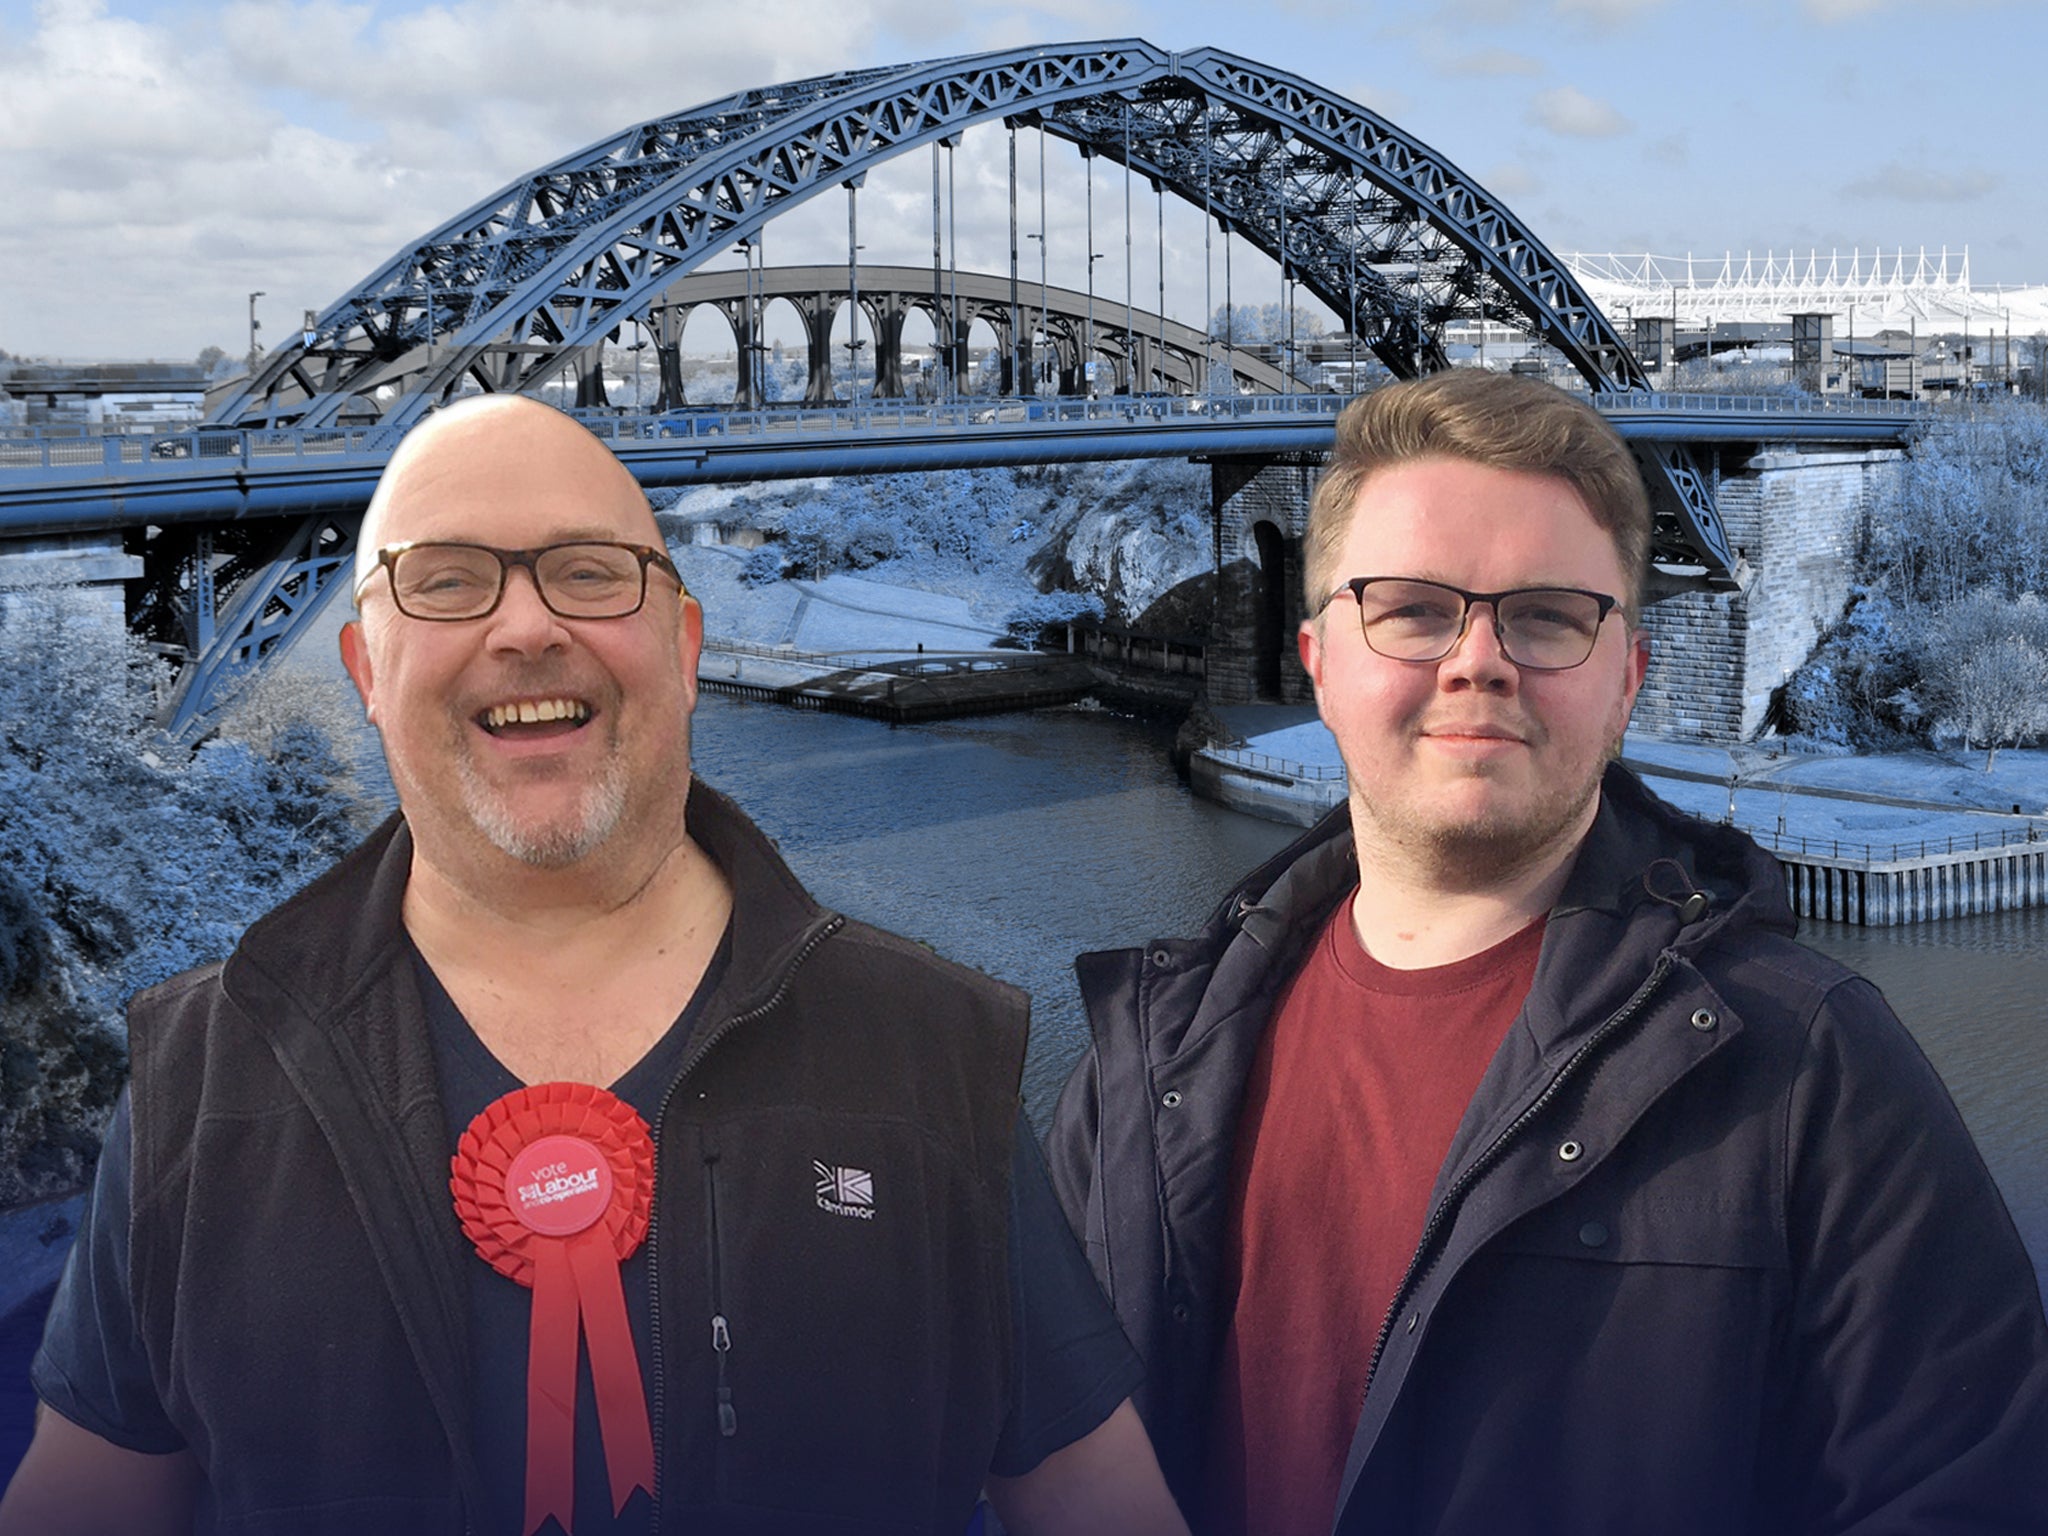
[[1867, 292]]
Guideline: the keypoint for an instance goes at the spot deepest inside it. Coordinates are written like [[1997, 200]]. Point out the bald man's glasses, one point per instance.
[[587, 579]]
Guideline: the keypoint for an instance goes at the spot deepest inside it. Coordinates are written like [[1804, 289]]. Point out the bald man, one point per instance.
[[555, 1161]]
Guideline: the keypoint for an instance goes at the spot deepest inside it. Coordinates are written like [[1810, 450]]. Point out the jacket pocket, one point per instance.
[[1613, 1357], [856, 1346]]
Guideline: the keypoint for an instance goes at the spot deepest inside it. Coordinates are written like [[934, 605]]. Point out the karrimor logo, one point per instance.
[[846, 1191]]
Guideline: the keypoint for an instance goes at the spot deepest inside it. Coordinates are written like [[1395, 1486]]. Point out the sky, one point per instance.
[[161, 161]]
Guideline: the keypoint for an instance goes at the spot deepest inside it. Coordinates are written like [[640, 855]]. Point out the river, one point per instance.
[[1014, 842]]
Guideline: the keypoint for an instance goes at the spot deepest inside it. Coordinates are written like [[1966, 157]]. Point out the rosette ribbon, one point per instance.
[[554, 1184]]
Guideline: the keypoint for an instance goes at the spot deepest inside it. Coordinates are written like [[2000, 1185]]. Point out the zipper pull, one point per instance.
[[721, 1344]]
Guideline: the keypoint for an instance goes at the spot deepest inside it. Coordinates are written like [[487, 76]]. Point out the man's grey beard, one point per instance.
[[598, 813]]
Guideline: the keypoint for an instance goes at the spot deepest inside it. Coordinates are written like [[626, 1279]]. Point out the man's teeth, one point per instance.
[[534, 711]]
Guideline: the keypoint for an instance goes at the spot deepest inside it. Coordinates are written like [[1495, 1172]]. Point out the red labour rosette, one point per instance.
[[554, 1184]]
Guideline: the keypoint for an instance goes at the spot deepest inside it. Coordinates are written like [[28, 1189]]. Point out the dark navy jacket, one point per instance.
[[1711, 1250], [300, 1287]]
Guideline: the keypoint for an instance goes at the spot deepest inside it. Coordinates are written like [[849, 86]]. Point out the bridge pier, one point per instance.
[[93, 568], [1259, 509], [1717, 658]]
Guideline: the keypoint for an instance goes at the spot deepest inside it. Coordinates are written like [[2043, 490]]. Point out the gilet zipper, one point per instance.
[[656, 1353]]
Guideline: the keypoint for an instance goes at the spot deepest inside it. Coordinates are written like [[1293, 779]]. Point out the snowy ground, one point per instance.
[[839, 614], [1881, 802]]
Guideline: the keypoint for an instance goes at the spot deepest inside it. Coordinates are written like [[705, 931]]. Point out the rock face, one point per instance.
[[1144, 533]]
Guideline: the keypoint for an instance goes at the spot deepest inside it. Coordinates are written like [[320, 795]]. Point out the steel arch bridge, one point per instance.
[[1377, 225]]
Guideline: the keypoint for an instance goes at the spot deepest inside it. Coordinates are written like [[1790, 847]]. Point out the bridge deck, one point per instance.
[[57, 483]]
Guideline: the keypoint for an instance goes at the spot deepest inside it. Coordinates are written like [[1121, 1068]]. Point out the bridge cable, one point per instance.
[[1130, 281], [1016, 324]]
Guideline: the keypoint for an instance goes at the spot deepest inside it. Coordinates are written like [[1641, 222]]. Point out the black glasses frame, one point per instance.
[[1356, 587], [388, 557]]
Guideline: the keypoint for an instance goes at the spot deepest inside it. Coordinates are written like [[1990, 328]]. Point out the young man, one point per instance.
[[334, 1278], [1495, 1161]]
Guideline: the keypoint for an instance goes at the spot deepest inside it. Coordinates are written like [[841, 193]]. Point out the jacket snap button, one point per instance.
[[1593, 1234], [1160, 957], [1171, 1098], [1704, 1019], [1180, 1312], [1569, 1152]]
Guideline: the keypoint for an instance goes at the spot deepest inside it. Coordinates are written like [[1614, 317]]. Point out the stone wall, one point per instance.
[[92, 567], [1718, 657], [1247, 634]]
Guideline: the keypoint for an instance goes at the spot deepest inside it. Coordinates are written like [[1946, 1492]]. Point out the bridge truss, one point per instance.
[[1378, 226], [527, 285]]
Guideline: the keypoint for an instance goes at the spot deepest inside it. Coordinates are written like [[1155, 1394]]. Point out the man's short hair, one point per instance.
[[1495, 419]]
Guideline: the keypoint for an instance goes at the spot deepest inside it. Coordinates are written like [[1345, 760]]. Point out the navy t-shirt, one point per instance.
[[1072, 1364]]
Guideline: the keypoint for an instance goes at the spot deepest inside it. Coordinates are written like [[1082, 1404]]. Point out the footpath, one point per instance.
[[1285, 766]]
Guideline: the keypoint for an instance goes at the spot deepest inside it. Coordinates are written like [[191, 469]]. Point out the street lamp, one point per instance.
[[254, 326]]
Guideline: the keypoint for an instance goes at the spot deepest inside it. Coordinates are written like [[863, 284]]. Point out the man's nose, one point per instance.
[[1479, 655], [521, 620]]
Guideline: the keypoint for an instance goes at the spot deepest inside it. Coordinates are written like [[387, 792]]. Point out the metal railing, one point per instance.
[[949, 415], [1246, 758], [1750, 405], [66, 447], [754, 648], [173, 453], [1836, 850]]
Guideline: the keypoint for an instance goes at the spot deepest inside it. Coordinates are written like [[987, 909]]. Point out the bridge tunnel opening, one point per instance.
[[1269, 610]]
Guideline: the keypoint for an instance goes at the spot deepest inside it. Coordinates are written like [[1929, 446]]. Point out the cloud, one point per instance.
[[1843, 10], [1511, 181], [1606, 14], [191, 153], [1492, 62], [1572, 113], [1924, 184]]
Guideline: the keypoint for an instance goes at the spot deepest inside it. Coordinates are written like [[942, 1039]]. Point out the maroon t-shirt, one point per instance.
[[1352, 1102]]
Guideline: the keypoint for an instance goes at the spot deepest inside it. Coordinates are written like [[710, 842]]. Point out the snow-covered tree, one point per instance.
[[128, 859], [1984, 662]]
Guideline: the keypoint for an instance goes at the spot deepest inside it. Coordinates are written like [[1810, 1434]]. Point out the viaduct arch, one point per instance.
[[1150, 352]]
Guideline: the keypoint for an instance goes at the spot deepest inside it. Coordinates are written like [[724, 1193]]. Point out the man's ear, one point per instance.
[[1309, 641], [1634, 669], [355, 656], [690, 642]]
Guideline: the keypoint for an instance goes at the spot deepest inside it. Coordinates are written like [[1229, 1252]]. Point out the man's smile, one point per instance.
[[552, 716]]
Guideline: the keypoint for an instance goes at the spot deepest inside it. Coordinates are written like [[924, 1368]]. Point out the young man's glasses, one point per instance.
[[586, 579], [1546, 629]]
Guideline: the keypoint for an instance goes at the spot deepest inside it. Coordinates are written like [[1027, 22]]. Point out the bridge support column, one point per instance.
[[590, 393], [668, 321], [815, 311], [1717, 659], [889, 346], [1260, 511]]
